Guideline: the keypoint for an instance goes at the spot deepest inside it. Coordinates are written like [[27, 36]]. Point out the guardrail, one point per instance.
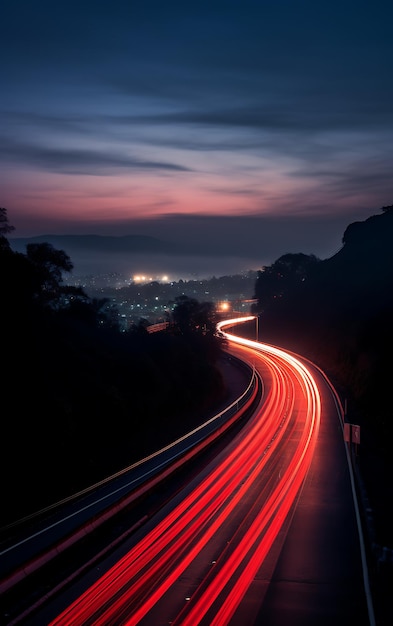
[[142, 478]]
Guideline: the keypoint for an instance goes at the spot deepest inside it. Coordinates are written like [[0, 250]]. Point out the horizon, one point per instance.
[[196, 261], [244, 126]]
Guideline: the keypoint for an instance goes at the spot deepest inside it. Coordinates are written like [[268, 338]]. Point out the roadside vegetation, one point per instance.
[[338, 312], [81, 398]]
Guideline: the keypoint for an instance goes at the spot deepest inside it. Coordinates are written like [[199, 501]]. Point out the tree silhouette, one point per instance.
[[49, 265], [278, 281], [191, 316], [100, 397], [5, 229]]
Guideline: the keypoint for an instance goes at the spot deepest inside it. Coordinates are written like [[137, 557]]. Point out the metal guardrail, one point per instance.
[[105, 499]]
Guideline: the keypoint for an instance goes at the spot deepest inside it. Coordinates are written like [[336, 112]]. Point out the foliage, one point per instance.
[[85, 399], [282, 278], [5, 226], [338, 312], [340, 308]]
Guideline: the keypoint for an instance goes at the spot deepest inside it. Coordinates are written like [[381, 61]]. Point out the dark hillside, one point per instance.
[[340, 315], [81, 399]]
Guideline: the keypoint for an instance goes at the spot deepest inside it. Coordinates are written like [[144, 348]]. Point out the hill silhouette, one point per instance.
[[83, 398], [339, 312], [100, 244]]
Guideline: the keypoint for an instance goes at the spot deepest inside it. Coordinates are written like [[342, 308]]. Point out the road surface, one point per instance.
[[266, 534]]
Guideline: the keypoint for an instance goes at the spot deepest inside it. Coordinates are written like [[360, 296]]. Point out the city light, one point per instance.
[[143, 278]]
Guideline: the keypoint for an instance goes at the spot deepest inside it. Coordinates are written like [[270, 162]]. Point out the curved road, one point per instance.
[[316, 572], [267, 534]]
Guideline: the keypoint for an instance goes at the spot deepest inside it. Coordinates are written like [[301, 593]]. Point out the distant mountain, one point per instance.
[[101, 244], [135, 254]]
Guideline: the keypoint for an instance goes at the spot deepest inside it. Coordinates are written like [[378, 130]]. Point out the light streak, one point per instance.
[[287, 420]]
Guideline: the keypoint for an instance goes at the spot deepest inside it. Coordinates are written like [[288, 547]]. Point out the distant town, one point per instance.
[[151, 298]]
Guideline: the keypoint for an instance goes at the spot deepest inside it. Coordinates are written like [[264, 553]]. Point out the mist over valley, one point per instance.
[[132, 255]]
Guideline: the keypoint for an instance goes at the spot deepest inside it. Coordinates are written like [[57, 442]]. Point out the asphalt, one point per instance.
[[315, 574], [236, 376]]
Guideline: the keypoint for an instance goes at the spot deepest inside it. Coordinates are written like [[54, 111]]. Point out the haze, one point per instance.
[[249, 128]]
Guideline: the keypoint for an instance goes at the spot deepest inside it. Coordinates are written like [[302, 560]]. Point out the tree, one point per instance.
[[75, 304], [277, 281], [196, 322], [5, 229], [139, 328], [191, 316], [49, 265]]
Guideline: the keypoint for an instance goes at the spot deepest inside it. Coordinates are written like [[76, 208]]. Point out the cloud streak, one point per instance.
[[78, 161], [111, 114]]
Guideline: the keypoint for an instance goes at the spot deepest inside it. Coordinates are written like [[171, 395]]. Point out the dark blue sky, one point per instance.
[[261, 127]]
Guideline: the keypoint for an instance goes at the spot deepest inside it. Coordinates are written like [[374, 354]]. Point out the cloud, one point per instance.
[[308, 112], [280, 108], [76, 161]]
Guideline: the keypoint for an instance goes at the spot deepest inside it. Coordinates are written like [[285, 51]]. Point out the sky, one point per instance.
[[252, 127]]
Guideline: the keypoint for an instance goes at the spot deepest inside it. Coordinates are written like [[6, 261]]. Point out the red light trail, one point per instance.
[[214, 540]]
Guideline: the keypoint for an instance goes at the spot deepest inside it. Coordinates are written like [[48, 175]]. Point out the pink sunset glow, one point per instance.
[[247, 128]]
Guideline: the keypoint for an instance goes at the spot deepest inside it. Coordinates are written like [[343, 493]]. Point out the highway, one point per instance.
[[195, 563], [212, 554]]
